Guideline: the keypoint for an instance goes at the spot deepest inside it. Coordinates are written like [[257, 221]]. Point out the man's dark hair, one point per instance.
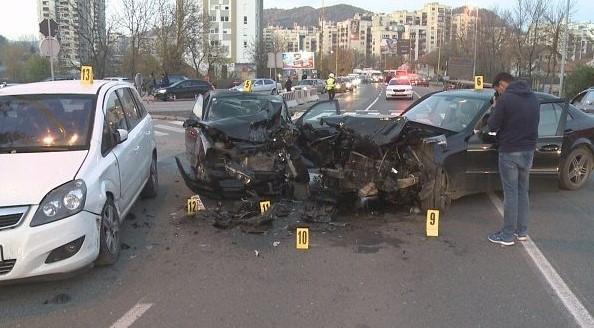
[[503, 76]]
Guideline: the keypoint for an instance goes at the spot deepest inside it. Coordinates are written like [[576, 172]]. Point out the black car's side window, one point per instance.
[[550, 116], [132, 112]]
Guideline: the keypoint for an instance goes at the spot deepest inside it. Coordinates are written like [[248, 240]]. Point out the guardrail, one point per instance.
[[300, 97]]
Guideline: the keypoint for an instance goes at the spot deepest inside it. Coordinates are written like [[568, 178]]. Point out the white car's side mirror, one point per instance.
[[122, 135], [197, 110]]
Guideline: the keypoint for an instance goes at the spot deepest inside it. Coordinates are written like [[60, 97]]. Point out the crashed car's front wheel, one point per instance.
[[109, 234], [437, 198]]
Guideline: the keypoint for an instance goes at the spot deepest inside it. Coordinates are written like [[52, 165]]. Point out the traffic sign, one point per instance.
[[49, 47], [48, 27], [478, 82]]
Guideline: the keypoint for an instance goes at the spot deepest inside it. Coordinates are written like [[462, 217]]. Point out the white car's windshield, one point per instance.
[[448, 112], [37, 123], [399, 82]]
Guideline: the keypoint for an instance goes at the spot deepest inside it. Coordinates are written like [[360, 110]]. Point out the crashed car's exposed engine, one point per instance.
[[372, 157]]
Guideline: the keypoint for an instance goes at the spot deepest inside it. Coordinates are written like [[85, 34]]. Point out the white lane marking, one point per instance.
[[567, 297], [170, 128], [160, 134], [417, 94], [131, 316], [180, 123], [373, 102]]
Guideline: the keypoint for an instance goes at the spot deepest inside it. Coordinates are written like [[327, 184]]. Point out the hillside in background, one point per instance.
[[309, 16]]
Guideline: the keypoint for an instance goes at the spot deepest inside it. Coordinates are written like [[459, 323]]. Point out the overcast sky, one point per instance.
[[18, 18]]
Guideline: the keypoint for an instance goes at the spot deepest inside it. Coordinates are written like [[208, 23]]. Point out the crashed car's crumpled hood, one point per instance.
[[253, 128], [379, 130]]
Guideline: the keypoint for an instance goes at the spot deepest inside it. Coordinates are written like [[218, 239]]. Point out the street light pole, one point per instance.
[[475, 40], [564, 53]]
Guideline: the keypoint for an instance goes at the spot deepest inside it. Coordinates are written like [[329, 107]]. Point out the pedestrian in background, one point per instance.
[[515, 119], [138, 83], [304, 76], [288, 84], [153, 83], [331, 86]]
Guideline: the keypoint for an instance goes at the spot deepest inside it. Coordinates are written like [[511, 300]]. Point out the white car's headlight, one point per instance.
[[62, 202], [348, 85], [162, 91], [337, 85]]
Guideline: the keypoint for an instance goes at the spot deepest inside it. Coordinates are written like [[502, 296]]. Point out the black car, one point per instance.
[[183, 89], [439, 150], [585, 100]]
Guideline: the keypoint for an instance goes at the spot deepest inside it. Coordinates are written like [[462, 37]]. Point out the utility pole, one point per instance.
[[475, 40], [564, 53], [322, 42]]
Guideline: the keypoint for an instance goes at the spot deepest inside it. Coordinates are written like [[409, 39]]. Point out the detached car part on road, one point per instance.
[[73, 160]]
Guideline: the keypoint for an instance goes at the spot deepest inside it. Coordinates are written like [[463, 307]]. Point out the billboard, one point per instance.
[[403, 47], [388, 46], [298, 60], [355, 30]]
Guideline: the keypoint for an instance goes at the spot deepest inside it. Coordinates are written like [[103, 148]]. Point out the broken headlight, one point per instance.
[[62, 202]]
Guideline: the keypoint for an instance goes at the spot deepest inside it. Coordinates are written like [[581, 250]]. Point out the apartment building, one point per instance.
[[237, 26], [297, 38], [74, 17]]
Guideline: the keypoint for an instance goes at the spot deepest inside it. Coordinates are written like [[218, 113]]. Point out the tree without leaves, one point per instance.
[[136, 19]]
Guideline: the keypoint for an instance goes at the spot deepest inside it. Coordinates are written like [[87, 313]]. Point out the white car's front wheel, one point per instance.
[[109, 235]]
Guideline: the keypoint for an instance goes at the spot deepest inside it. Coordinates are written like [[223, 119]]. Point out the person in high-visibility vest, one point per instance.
[[331, 86]]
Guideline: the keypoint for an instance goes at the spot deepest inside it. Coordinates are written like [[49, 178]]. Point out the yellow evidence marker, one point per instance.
[[432, 223], [302, 241], [86, 74], [264, 206], [247, 86], [195, 204], [478, 82]]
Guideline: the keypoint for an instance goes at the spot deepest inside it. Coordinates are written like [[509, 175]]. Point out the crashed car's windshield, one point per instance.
[[35, 123], [227, 107], [448, 112]]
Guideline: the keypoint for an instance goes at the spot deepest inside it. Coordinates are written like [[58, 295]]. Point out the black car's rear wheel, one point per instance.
[[576, 169]]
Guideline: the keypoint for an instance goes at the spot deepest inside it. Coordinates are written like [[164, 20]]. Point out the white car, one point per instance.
[[73, 160], [266, 86], [399, 88]]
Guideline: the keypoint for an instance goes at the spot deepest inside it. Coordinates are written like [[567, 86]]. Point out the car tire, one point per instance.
[[152, 184], [437, 198], [109, 235], [575, 169]]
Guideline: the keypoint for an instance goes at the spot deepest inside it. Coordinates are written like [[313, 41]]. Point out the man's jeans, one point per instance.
[[514, 169]]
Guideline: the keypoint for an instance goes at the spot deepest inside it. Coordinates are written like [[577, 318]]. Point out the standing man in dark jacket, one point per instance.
[[289, 84], [515, 118]]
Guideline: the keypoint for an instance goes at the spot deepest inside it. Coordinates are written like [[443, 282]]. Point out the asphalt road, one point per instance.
[[378, 271]]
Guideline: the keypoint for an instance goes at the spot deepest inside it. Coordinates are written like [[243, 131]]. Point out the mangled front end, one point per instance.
[[232, 158], [373, 157]]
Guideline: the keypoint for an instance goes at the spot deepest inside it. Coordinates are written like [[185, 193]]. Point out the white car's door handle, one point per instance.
[[148, 133]]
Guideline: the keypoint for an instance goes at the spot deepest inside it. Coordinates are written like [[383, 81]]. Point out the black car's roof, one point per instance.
[[486, 94]]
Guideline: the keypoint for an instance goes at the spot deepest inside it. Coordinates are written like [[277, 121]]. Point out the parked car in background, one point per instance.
[[174, 78], [188, 89], [585, 100], [343, 84], [317, 84], [266, 86], [399, 88], [98, 150]]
